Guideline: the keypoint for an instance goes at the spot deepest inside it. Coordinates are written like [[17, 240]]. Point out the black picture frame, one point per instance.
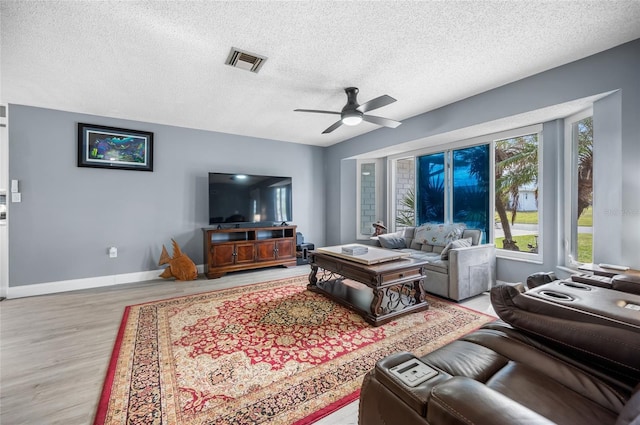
[[117, 148]]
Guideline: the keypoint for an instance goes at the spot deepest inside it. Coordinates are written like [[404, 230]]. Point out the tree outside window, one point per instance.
[[516, 170], [584, 232]]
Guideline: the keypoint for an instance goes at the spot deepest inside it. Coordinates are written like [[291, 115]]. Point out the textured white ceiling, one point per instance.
[[163, 62]]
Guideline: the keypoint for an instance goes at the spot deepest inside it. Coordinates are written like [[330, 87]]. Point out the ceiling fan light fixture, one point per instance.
[[353, 113], [352, 118]]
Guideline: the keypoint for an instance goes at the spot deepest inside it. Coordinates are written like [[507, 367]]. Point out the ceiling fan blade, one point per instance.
[[376, 103], [333, 127], [386, 122], [317, 111]]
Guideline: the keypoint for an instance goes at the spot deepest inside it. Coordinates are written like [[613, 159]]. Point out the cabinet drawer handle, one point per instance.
[[401, 275]]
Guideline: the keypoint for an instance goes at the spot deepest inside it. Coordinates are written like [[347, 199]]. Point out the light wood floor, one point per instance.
[[54, 349]]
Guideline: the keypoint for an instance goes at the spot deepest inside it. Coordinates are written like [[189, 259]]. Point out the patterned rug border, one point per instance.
[[103, 404], [105, 395], [336, 405]]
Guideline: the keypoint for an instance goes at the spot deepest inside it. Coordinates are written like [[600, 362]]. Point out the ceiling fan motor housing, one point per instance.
[[350, 114]]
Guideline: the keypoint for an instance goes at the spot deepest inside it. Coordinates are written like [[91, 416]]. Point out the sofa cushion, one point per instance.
[[408, 234], [438, 249], [460, 243], [392, 240], [474, 234], [438, 234], [423, 248], [422, 255], [437, 265]]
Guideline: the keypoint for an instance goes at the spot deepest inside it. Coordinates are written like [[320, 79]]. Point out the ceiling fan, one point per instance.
[[354, 114]]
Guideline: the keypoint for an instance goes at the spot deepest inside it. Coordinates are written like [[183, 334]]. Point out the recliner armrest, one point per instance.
[[415, 397], [626, 283], [462, 400]]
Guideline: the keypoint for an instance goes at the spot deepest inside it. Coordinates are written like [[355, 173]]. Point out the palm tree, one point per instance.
[[585, 165], [516, 165], [406, 214]]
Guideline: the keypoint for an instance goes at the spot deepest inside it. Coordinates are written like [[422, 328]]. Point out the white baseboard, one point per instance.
[[87, 283]]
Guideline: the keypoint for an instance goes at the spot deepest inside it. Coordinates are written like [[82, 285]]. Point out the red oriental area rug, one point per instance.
[[269, 353]]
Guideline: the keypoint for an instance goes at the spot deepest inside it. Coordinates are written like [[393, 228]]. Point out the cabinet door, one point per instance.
[[285, 249], [265, 251], [244, 253], [222, 255]]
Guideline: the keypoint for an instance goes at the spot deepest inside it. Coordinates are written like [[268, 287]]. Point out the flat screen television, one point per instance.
[[246, 198]]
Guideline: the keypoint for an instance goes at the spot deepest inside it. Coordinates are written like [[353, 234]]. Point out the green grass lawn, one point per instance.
[[523, 217], [522, 242], [585, 245], [585, 240], [586, 219], [531, 217]]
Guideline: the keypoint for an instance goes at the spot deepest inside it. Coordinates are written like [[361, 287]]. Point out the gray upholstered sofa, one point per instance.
[[459, 266]]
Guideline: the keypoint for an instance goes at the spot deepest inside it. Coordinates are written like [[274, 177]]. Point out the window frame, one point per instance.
[[570, 171]]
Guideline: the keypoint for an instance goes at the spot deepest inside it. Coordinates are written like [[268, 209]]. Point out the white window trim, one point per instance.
[[570, 200]]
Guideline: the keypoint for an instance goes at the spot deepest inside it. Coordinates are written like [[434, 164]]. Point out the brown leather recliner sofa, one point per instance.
[[562, 353]]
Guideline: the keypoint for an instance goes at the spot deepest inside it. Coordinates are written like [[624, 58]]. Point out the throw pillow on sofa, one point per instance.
[[459, 243], [392, 241], [438, 234]]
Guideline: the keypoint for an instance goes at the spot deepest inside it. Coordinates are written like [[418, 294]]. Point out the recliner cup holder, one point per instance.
[[556, 295], [576, 286]]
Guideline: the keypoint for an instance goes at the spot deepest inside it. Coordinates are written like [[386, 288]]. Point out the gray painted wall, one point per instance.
[[70, 215], [617, 128]]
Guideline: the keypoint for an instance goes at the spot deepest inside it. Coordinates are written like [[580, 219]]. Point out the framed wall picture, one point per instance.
[[111, 147]]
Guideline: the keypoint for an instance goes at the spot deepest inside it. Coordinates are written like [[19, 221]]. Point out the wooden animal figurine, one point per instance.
[[180, 266]]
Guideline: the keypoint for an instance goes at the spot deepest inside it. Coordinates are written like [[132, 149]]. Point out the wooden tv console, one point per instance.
[[244, 248]]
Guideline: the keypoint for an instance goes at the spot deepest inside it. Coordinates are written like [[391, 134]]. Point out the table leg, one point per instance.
[[376, 302], [313, 279], [420, 295]]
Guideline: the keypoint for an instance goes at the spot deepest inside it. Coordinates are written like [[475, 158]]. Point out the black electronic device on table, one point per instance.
[[302, 253]]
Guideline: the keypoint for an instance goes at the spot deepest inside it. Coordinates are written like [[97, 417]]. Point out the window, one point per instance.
[[579, 189], [430, 189], [368, 197], [471, 184], [489, 183], [404, 197], [517, 193], [453, 186]]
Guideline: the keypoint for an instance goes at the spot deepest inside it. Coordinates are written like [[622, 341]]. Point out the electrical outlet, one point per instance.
[[113, 252]]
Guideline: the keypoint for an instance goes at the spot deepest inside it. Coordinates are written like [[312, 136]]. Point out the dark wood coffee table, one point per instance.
[[378, 292]]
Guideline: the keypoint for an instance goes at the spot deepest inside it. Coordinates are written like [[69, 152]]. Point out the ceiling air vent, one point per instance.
[[245, 60]]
